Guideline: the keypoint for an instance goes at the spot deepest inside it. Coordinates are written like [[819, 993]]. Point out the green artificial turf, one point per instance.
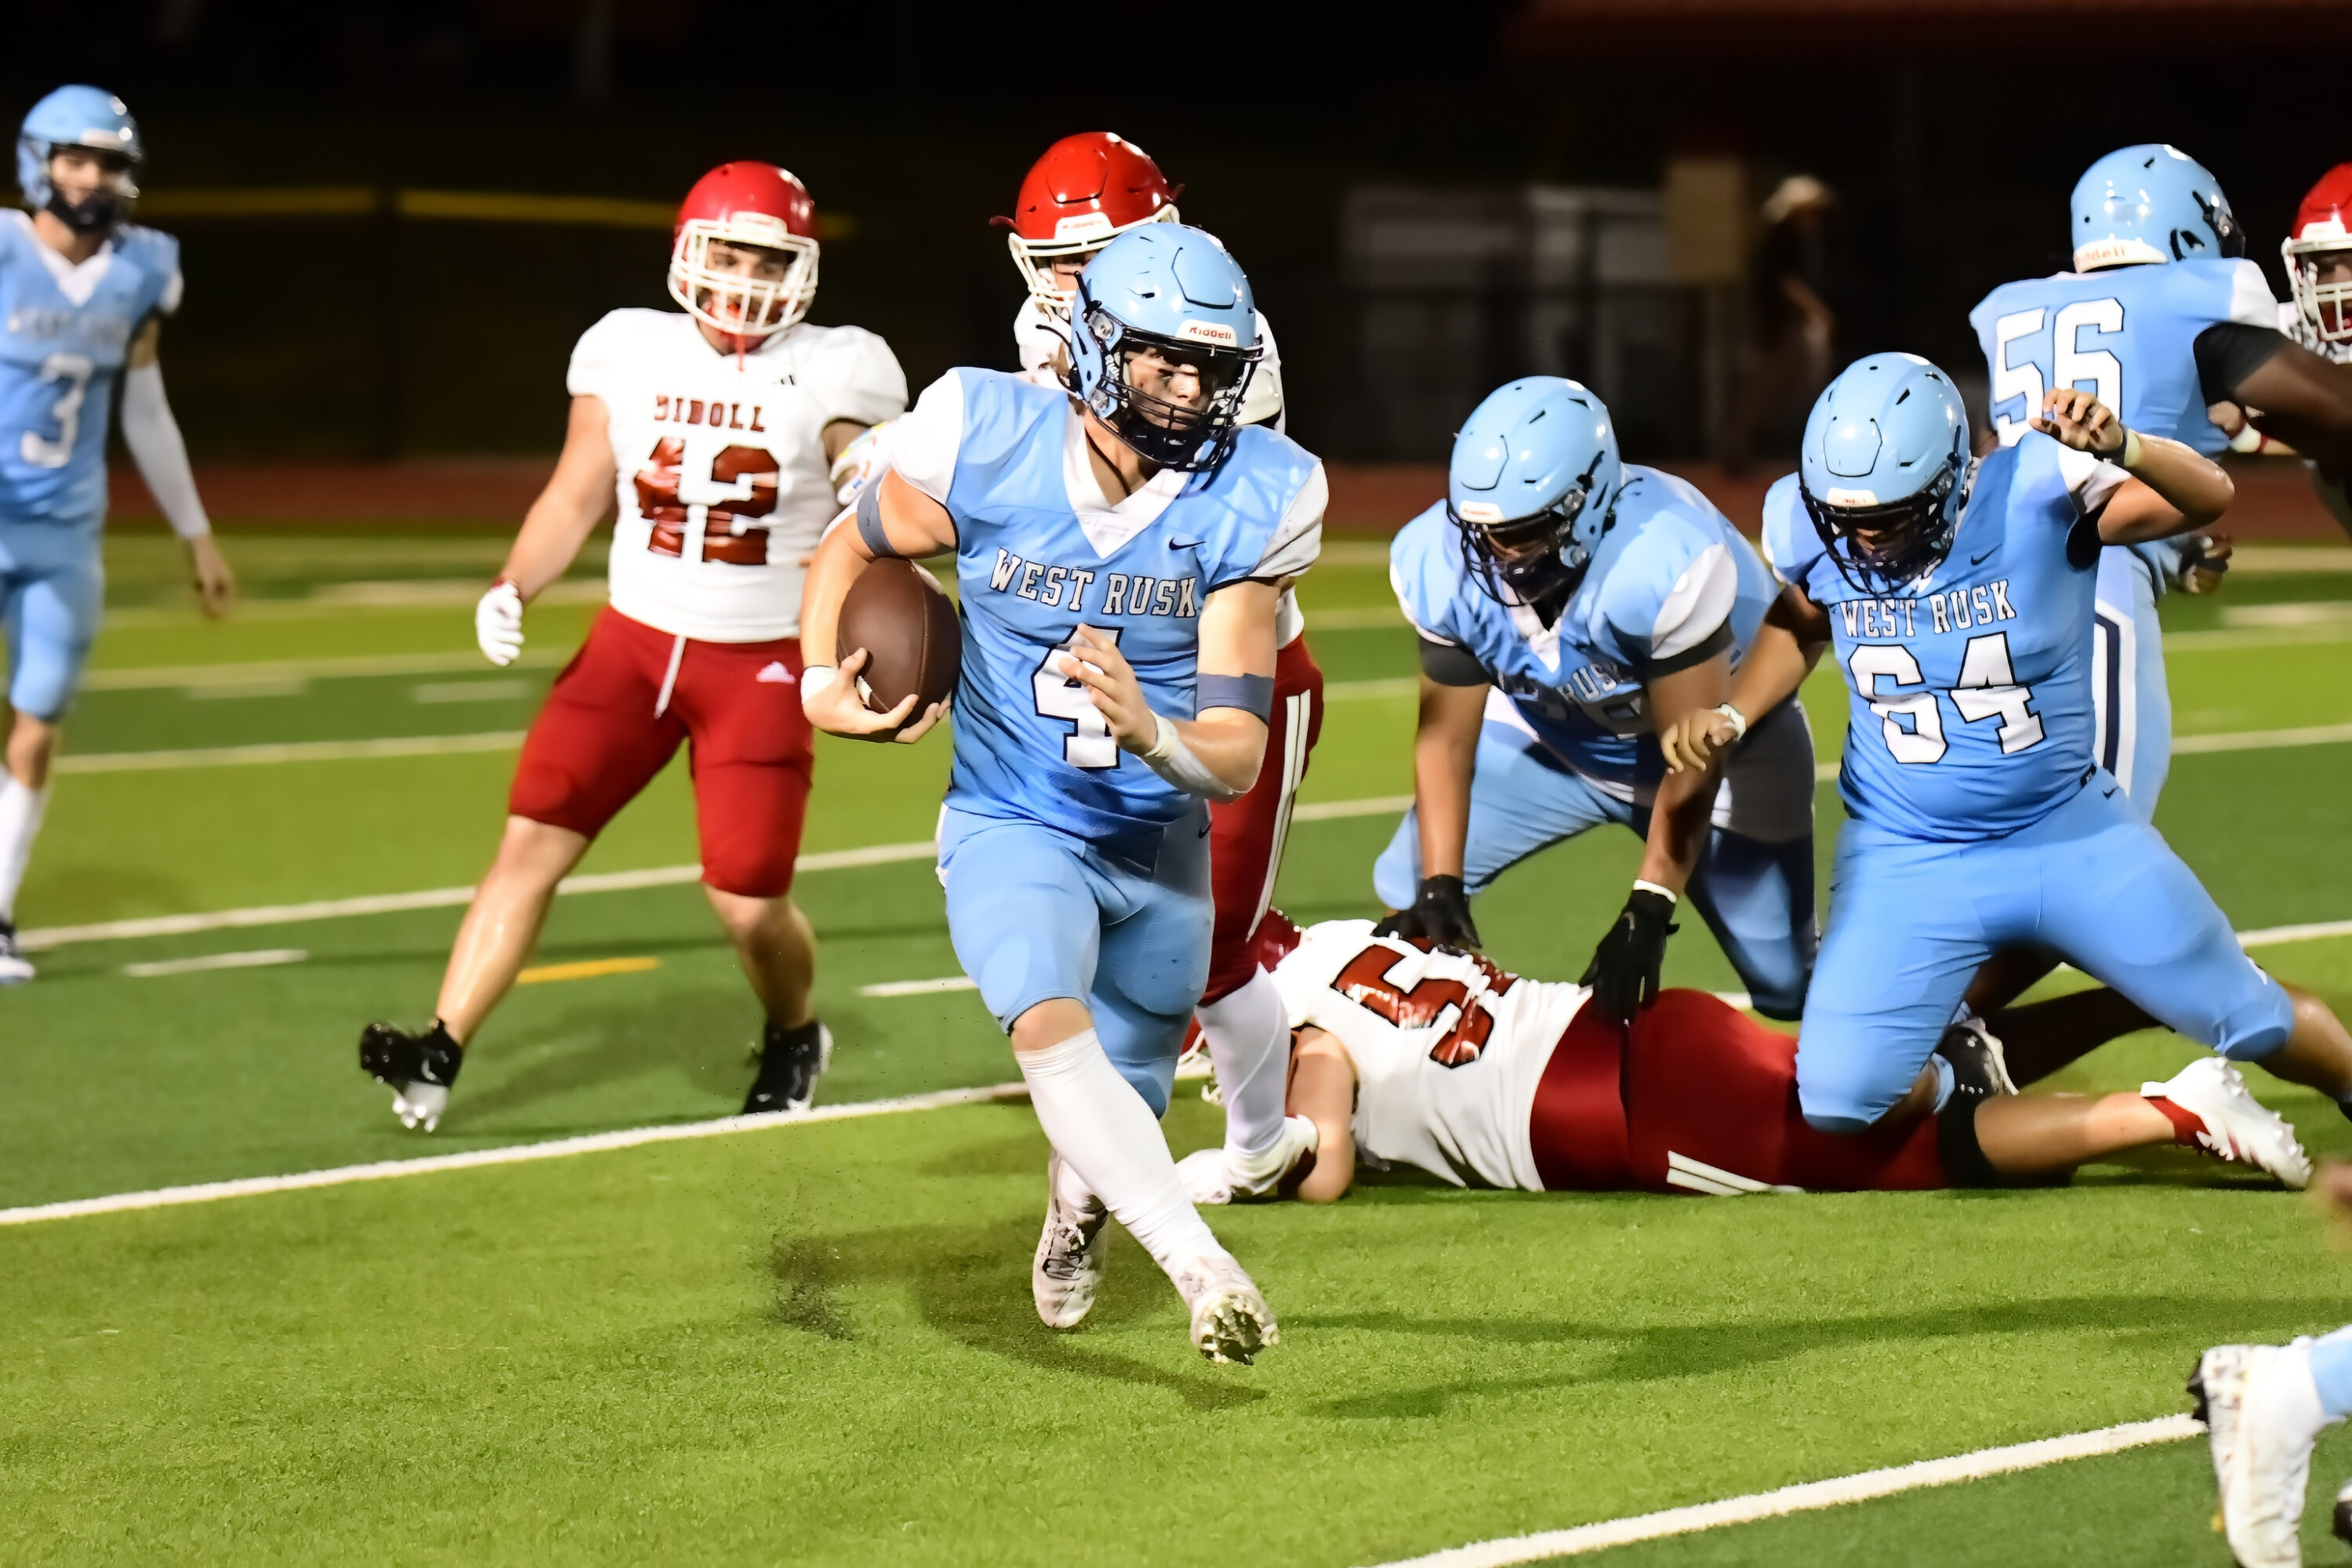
[[814, 1344]]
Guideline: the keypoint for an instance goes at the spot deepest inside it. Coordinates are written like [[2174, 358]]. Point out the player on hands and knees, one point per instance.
[[1083, 192], [1570, 606], [1958, 596], [87, 293], [1121, 554], [715, 428], [1413, 1054]]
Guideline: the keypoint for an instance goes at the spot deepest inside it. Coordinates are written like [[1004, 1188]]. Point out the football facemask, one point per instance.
[[1539, 558], [1161, 430], [1887, 546]]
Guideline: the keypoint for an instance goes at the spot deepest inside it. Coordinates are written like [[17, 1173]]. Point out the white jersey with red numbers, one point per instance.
[[722, 485], [1042, 337], [1448, 1049]]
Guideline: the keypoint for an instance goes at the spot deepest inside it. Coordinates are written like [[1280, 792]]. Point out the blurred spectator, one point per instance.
[[1790, 324]]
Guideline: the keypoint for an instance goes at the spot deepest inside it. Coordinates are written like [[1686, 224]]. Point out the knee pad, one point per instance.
[[1838, 1126], [2250, 1039], [1396, 875]]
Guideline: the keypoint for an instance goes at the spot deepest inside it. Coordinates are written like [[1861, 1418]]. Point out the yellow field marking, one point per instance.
[[592, 969]]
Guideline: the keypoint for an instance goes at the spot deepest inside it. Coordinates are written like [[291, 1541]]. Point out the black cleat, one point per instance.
[[791, 1061], [2344, 1513], [15, 968], [417, 1069], [1979, 1067]]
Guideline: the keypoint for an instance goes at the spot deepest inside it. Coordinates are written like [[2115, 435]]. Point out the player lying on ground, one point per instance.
[[87, 292], [1958, 596], [2263, 1407], [1409, 1054], [1087, 190], [715, 428], [1121, 552], [1570, 607]]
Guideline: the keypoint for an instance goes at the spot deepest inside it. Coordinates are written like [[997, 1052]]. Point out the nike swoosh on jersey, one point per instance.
[[1980, 560]]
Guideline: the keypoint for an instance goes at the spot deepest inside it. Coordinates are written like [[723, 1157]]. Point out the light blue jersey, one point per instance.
[[1071, 869], [1672, 582], [65, 332], [1970, 692], [2127, 333], [1569, 742], [1032, 568]]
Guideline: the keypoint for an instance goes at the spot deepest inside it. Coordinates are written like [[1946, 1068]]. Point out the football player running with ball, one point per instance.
[[715, 428], [1086, 191], [1121, 551], [85, 292], [1958, 596], [1570, 607], [1429, 1056]]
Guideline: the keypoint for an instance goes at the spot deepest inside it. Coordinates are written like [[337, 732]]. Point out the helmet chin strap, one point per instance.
[[94, 214]]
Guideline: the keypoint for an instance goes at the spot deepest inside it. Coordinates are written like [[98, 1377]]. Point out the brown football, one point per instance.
[[906, 623]]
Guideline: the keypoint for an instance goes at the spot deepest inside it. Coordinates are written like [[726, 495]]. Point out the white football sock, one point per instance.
[[1248, 1033], [1105, 1131], [20, 824]]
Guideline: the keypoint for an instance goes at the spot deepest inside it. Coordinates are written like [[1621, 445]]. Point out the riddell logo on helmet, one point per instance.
[[2116, 252], [1082, 225], [1481, 511], [1209, 333]]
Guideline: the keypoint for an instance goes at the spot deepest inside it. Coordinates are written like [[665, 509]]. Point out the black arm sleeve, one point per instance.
[[1449, 664], [2228, 352], [1699, 652]]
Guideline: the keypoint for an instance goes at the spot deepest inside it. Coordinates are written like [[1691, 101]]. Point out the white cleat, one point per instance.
[[2238, 1127], [1068, 1267], [1231, 1321], [1226, 1175], [420, 1105], [2262, 1414], [15, 967]]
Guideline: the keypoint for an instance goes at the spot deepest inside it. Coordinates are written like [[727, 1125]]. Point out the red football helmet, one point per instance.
[[1086, 189], [745, 203], [2323, 231]]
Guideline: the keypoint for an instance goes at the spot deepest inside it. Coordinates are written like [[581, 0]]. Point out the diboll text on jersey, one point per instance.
[[1124, 593], [671, 409]]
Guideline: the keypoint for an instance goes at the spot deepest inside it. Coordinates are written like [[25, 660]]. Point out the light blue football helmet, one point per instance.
[[1173, 289], [1532, 487], [2151, 203], [78, 116], [1885, 468]]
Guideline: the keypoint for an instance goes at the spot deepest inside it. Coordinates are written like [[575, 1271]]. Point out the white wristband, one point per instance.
[[1665, 894], [1738, 719], [1172, 760], [815, 678]]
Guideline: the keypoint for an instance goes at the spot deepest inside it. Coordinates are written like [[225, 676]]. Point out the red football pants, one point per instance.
[[620, 710], [1703, 1100], [1245, 836]]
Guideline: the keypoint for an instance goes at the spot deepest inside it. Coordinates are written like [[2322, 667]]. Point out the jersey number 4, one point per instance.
[[1987, 689], [741, 482], [1065, 697], [1365, 982], [2021, 338]]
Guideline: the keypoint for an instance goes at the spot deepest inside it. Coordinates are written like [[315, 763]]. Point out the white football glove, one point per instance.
[[498, 623], [859, 462]]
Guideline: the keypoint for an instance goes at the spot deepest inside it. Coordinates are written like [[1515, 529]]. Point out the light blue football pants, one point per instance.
[[52, 594], [1756, 893], [1121, 926], [1911, 921], [2132, 705]]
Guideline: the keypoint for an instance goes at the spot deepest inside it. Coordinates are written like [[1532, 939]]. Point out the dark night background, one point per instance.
[[1952, 133]]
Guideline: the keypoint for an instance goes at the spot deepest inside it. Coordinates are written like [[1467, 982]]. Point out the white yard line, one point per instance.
[[264, 958], [515, 1154], [292, 751], [255, 672], [1810, 1496]]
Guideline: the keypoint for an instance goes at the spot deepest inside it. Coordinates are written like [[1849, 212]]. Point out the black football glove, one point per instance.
[[1440, 914], [1624, 970]]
